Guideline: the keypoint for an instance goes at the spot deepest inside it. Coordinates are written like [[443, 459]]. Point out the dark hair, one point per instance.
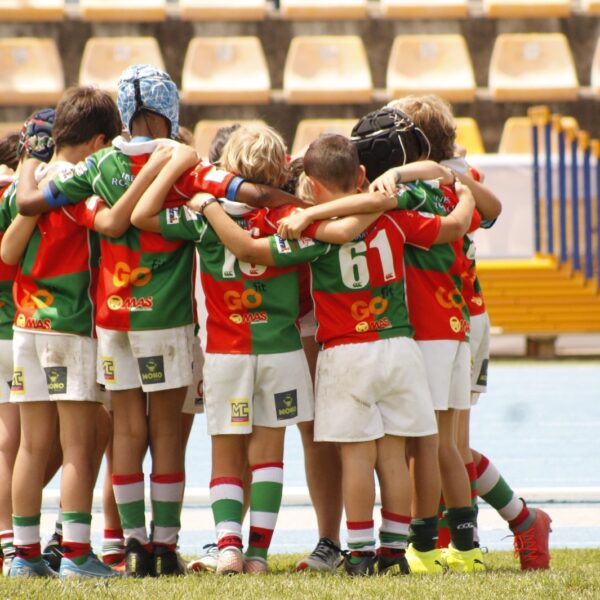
[[82, 113], [218, 142], [185, 136], [8, 150], [333, 159], [295, 169]]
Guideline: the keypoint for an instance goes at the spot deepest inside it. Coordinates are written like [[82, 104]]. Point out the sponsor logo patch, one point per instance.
[[172, 216], [108, 368], [152, 369], [283, 246], [482, 378], [130, 303], [305, 242], [286, 405], [17, 385], [240, 411], [56, 379]]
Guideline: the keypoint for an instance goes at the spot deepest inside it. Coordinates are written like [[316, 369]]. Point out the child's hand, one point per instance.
[[185, 156], [159, 158], [291, 228], [197, 202], [386, 183]]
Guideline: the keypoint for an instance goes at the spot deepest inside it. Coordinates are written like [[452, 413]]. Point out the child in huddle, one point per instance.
[[248, 327]]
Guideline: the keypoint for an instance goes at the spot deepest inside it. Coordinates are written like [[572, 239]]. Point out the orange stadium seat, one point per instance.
[[117, 10], [517, 136], [205, 131], [532, 67], [327, 70], [310, 129], [104, 59], [438, 64], [591, 7], [32, 10], [431, 9], [6, 128], [468, 135], [524, 9], [31, 70], [223, 10], [317, 9], [225, 70]]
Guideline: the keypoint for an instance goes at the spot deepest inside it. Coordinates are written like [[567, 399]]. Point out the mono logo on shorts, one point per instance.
[[240, 411], [17, 385], [108, 368], [286, 405], [56, 379], [152, 369]]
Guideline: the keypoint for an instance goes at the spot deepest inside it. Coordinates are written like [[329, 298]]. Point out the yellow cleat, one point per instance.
[[463, 561], [429, 563]]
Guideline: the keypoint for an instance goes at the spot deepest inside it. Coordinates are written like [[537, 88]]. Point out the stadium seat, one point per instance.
[[431, 9], [205, 131], [517, 136], [524, 9], [591, 7], [117, 10], [532, 67], [327, 70], [438, 64], [224, 10], [468, 135], [6, 128], [32, 10], [310, 129], [32, 72], [104, 59], [225, 70], [317, 9]]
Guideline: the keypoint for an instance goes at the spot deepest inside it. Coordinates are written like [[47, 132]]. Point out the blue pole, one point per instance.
[[575, 206], [562, 195], [536, 188], [598, 217], [587, 206], [549, 189]]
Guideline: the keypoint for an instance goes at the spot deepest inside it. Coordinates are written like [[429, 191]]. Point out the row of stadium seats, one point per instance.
[[318, 69], [516, 133], [236, 10]]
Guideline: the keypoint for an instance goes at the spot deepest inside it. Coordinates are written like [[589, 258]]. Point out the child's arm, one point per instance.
[[488, 204], [456, 224], [423, 170], [145, 215], [259, 195], [16, 238], [30, 200], [342, 231], [115, 221]]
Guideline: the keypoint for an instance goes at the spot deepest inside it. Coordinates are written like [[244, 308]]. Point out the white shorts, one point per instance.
[[6, 369], [53, 366], [194, 399], [365, 391], [269, 390], [308, 324], [448, 366], [155, 360], [480, 353]]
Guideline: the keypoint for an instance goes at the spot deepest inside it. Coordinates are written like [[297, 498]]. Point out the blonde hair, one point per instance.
[[257, 153], [303, 189], [433, 115]]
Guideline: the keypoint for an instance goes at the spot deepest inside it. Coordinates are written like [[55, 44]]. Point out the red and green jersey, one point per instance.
[[146, 281], [247, 309], [358, 288], [434, 279], [7, 272]]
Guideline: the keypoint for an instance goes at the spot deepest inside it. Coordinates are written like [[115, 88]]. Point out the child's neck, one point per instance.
[[71, 154]]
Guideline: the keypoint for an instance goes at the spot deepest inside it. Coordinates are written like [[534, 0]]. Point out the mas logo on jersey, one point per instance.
[[130, 303], [240, 411], [31, 323], [361, 310], [56, 379], [108, 369], [457, 325], [152, 369], [286, 405], [17, 385], [172, 216]]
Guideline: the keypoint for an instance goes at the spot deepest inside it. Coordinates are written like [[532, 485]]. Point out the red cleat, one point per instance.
[[531, 545]]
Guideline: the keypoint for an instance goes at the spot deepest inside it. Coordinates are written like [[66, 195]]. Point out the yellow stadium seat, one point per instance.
[[32, 10], [117, 10], [6, 128], [431, 9], [524, 9], [591, 7], [468, 135], [225, 70], [532, 67], [437, 64], [595, 75], [517, 135], [310, 129], [318, 9], [205, 131], [327, 70], [32, 72], [104, 59], [223, 10]]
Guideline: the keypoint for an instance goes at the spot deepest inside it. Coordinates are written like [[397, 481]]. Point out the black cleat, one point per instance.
[[139, 562]]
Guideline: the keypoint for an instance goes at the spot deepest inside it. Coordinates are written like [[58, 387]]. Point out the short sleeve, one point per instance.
[[75, 184], [84, 213], [181, 223], [210, 179], [419, 229], [292, 252]]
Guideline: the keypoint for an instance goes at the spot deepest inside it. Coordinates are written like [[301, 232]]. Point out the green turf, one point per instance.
[[574, 575]]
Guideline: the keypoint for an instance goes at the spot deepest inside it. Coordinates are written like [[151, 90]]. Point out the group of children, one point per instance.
[[344, 307]]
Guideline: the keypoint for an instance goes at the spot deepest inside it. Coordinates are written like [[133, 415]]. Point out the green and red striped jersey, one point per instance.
[[247, 309], [358, 288], [7, 272], [146, 281]]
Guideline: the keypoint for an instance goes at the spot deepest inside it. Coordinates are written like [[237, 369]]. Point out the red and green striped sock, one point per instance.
[[443, 537], [27, 537], [129, 496], [226, 500], [7, 545], [361, 536], [76, 528], [393, 532], [166, 493], [113, 546], [265, 502]]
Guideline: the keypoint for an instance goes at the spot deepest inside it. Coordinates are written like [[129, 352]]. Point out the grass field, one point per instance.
[[574, 574]]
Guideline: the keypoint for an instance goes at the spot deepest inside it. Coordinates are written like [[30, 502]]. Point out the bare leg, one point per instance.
[[10, 432], [392, 472], [463, 436], [358, 483], [166, 440], [425, 475], [130, 430]]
